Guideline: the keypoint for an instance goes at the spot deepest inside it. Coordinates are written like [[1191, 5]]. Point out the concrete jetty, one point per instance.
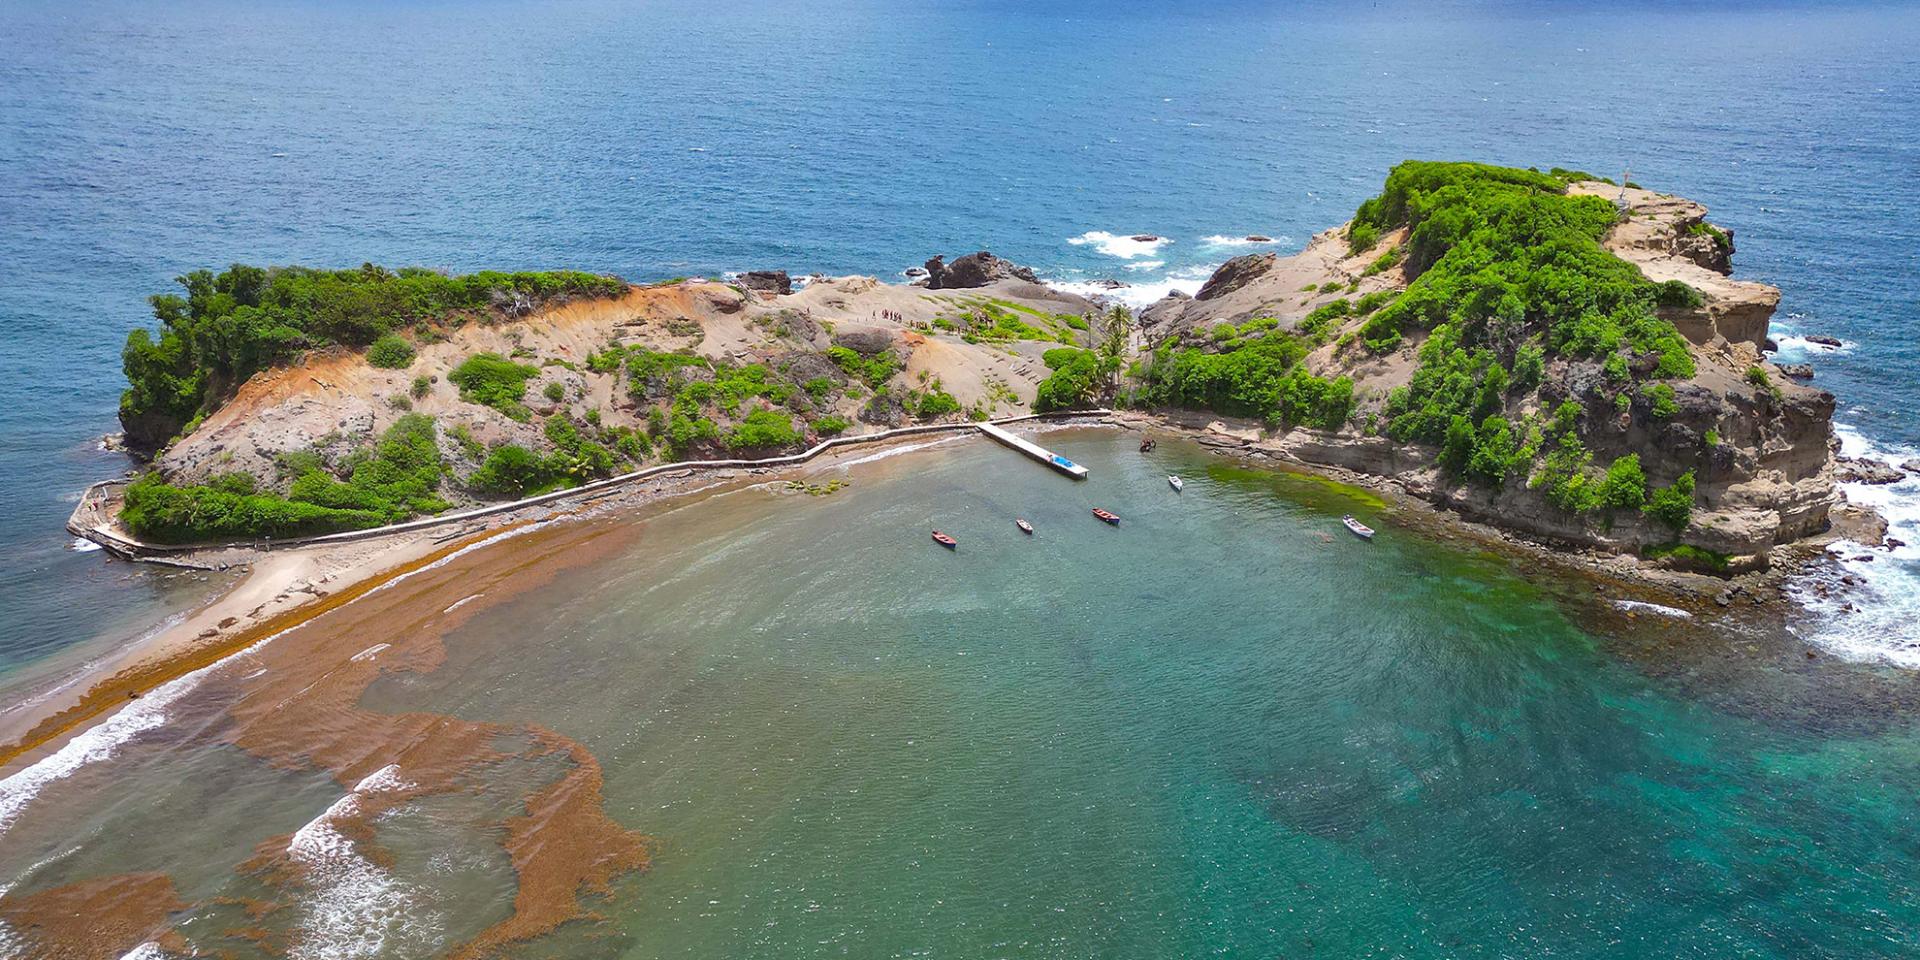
[[1035, 451]]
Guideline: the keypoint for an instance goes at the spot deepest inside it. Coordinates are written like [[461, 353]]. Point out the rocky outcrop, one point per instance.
[[974, 270], [1864, 470], [1236, 273], [767, 281], [865, 340]]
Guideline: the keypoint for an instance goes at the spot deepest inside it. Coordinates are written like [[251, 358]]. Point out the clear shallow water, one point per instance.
[[137, 143], [1220, 728]]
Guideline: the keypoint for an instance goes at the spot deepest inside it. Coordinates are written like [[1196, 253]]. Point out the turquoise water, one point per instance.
[[1214, 730], [1225, 727], [141, 141]]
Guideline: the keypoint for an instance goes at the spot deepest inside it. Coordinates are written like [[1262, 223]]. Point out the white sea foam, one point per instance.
[[463, 601], [97, 743], [1884, 620], [1803, 344], [1224, 241], [909, 448], [103, 740], [82, 545], [355, 907], [146, 951], [1142, 266], [1665, 611], [1119, 245], [371, 652], [1187, 280]]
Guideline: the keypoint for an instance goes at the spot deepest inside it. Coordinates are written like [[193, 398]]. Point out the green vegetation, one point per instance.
[[554, 391], [831, 425], [1499, 254], [1264, 379], [934, 403], [1672, 505], [1757, 375], [1074, 383], [232, 325], [763, 430], [874, 371], [1720, 237], [422, 385], [490, 379], [1690, 556], [1384, 262], [1662, 399], [391, 351], [393, 481]]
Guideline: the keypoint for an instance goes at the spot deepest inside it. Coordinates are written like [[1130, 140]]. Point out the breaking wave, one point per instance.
[[1124, 246], [1866, 603], [354, 907]]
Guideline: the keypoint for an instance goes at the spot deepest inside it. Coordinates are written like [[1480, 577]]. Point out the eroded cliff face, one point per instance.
[[1759, 445]]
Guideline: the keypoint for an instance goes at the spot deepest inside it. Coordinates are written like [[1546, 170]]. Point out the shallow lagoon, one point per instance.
[[1223, 727]]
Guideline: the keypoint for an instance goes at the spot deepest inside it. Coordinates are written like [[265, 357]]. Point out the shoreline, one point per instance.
[[291, 585]]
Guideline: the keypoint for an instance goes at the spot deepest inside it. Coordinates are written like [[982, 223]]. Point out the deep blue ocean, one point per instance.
[[138, 142]]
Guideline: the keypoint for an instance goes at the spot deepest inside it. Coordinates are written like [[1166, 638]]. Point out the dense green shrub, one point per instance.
[[1692, 557], [510, 471], [422, 385], [934, 403], [1074, 384], [1625, 486], [490, 379], [554, 391], [1316, 324], [1499, 253], [1672, 505], [1361, 236], [231, 325], [391, 352], [1661, 399], [763, 430], [874, 371], [831, 425], [395, 480], [1264, 379]]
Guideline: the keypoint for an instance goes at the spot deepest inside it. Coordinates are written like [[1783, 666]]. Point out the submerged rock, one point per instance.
[[1798, 371]]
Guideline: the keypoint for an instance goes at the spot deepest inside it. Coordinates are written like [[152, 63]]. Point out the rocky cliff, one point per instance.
[[1758, 446]]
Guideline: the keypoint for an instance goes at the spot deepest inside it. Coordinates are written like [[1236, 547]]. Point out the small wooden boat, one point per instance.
[[1359, 529], [1177, 484], [1112, 518], [1147, 443], [1025, 527], [945, 541]]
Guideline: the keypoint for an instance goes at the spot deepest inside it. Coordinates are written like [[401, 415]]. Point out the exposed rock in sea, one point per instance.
[[974, 270], [1864, 470], [1824, 340], [1147, 238], [1258, 238], [767, 281], [1911, 466], [1798, 371], [1236, 273]]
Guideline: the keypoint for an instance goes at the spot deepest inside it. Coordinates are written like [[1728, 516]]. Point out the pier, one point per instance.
[[1035, 451]]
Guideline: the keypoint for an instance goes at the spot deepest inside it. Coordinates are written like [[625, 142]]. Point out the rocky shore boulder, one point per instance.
[[1863, 470], [974, 270], [1236, 273], [866, 341], [1798, 371], [767, 281]]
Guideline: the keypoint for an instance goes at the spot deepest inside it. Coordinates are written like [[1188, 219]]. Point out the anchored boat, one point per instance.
[[1177, 484], [1025, 527], [945, 541], [1112, 518], [1359, 529]]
